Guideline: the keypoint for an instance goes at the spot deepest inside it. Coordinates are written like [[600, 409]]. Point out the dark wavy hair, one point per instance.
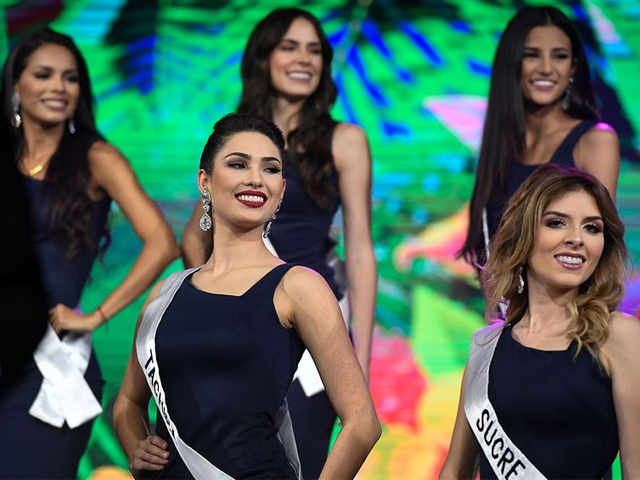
[[314, 133], [68, 204], [503, 137], [223, 130], [515, 241]]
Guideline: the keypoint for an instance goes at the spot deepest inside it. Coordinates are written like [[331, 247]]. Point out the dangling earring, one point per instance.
[[16, 120], [205, 219], [566, 100], [267, 229], [72, 126], [520, 280]]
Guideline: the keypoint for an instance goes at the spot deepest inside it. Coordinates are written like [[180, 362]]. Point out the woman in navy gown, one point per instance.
[[552, 391], [218, 345], [286, 77], [70, 175], [541, 109]]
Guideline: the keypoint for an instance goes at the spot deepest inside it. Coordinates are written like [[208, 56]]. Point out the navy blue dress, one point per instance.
[[558, 410], [300, 234], [31, 448], [226, 364], [519, 172]]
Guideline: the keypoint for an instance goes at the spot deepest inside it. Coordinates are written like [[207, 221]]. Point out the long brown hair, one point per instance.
[[313, 135], [68, 175], [503, 136], [515, 241]]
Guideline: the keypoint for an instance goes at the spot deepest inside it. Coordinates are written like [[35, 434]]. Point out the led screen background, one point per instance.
[[414, 75]]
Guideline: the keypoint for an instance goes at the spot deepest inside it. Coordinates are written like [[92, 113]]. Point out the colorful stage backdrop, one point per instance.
[[414, 74]]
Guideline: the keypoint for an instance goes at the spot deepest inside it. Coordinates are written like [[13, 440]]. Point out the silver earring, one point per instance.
[[205, 219], [520, 280], [566, 100], [267, 229], [72, 126], [16, 120]]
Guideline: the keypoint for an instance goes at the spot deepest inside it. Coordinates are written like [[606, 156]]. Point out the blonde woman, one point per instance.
[[553, 390]]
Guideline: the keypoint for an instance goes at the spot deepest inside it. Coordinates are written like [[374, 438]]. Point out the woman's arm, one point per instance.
[[307, 303], [111, 172], [130, 418], [598, 153], [193, 254], [464, 453], [621, 350], [353, 162]]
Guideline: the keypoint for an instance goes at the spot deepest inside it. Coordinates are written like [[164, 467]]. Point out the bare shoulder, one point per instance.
[[350, 146], [304, 283], [601, 135], [153, 293], [623, 343], [155, 290], [348, 132], [300, 292], [624, 329], [103, 155]]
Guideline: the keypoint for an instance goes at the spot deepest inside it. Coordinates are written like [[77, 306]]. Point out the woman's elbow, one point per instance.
[[166, 248], [368, 430]]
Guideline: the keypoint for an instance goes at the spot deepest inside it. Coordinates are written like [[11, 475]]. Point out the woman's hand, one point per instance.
[[150, 454], [62, 317]]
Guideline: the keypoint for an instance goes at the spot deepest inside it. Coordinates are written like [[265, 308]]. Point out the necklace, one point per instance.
[[37, 169]]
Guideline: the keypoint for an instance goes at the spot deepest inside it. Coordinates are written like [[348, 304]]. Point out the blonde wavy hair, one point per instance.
[[514, 243]]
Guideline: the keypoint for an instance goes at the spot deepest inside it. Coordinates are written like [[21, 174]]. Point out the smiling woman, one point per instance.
[[286, 77], [71, 175], [218, 345], [551, 391], [541, 110]]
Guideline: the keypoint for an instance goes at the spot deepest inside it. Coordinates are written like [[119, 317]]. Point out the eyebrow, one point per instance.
[[291, 40], [49, 67], [554, 49], [249, 157], [564, 215]]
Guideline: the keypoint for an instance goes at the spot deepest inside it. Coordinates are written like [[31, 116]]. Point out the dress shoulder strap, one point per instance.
[[564, 153], [270, 281]]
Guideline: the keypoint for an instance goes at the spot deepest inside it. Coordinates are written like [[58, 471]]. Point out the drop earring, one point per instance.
[[520, 280], [205, 219], [72, 126], [267, 229], [16, 119], [566, 100]]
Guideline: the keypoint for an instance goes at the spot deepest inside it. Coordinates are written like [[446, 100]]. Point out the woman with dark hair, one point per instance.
[[218, 345], [552, 391], [70, 174], [541, 109], [286, 75]]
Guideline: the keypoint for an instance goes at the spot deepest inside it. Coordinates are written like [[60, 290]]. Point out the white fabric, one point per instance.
[[506, 459], [485, 234], [64, 394], [200, 467]]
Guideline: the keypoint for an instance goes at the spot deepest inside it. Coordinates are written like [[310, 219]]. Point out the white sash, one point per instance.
[[506, 459], [200, 467], [64, 395]]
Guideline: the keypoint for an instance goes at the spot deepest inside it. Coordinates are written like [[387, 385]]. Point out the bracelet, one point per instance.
[[103, 317]]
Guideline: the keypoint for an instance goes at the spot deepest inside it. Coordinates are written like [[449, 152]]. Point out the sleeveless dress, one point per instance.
[[300, 234], [558, 410], [226, 364], [30, 447], [519, 172]]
